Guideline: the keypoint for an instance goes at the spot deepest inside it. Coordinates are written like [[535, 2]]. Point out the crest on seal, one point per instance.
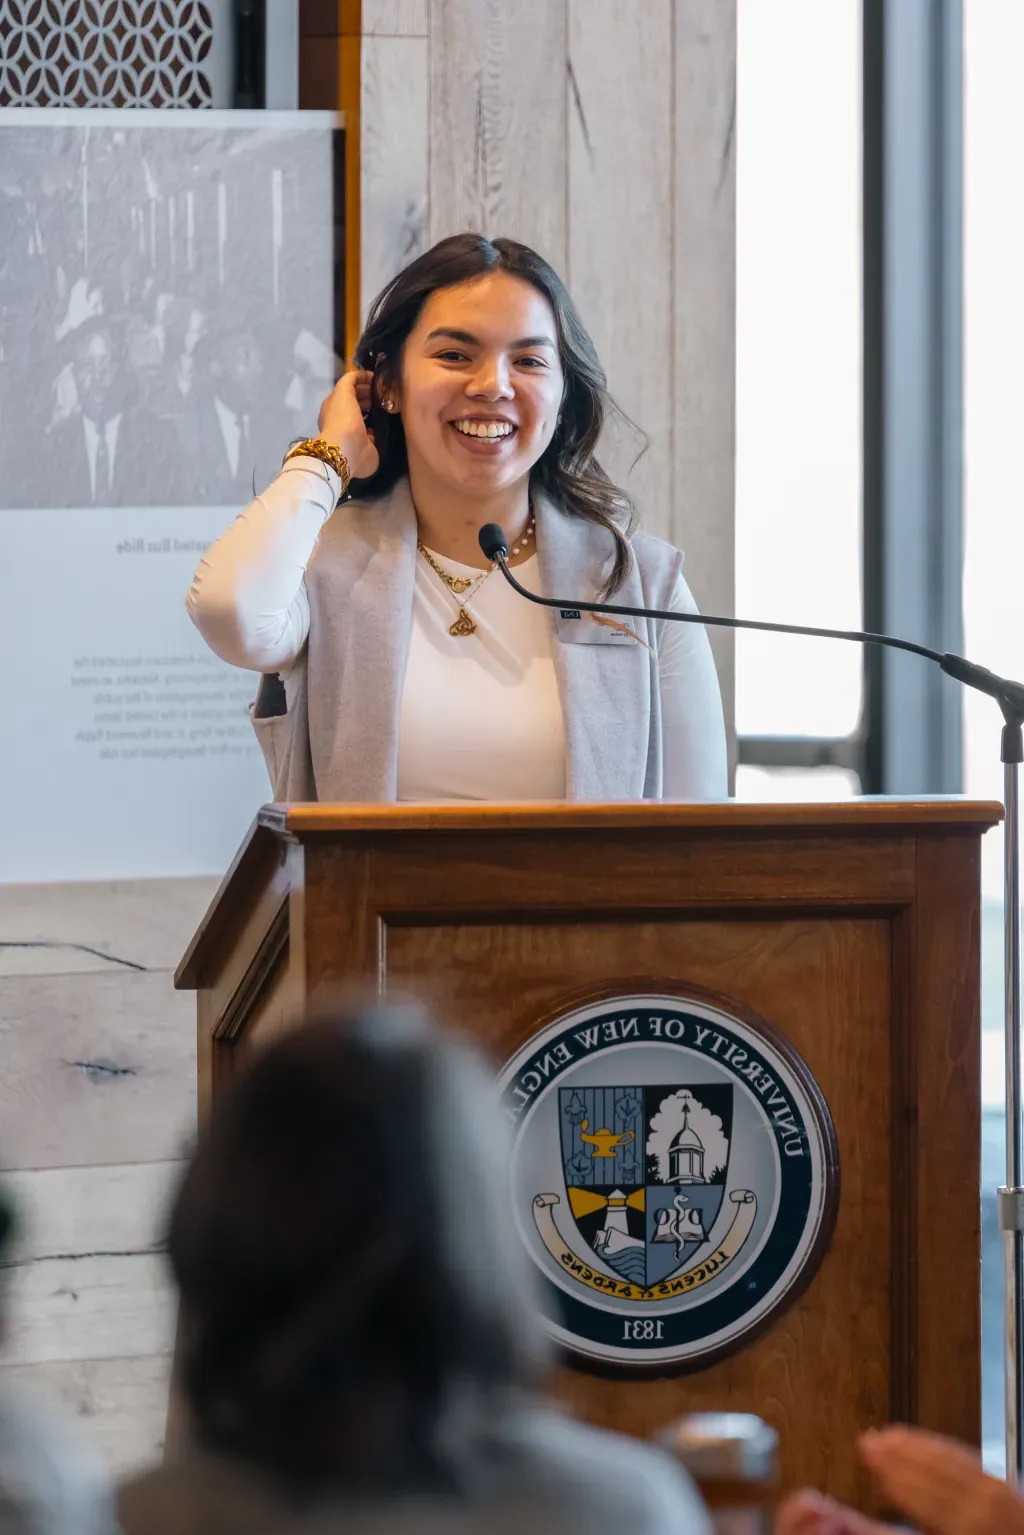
[[645, 1172]]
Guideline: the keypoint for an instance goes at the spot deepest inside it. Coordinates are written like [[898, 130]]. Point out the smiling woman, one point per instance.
[[356, 580]]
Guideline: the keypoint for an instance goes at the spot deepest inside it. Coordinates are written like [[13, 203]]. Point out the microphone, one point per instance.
[[1009, 695], [1010, 698]]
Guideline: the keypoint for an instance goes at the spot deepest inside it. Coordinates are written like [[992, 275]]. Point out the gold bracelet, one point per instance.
[[318, 447]]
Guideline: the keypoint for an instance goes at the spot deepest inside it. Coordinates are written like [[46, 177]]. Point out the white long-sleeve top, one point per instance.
[[480, 715]]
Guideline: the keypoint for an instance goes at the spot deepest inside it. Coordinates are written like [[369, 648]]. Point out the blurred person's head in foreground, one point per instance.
[[355, 1307]]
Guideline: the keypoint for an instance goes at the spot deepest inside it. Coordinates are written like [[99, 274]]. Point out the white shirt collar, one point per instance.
[[92, 442], [231, 426]]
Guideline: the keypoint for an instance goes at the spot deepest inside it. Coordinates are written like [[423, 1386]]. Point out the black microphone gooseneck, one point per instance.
[[1010, 698], [1009, 695]]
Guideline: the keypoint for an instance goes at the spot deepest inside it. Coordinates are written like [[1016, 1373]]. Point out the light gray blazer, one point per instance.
[[339, 738]]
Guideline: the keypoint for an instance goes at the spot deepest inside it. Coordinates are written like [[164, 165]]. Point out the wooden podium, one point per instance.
[[851, 929]]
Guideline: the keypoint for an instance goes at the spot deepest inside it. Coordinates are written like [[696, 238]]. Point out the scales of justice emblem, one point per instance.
[[645, 1172]]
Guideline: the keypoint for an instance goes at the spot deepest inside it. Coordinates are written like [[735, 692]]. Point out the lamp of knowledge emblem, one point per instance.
[[674, 1177]]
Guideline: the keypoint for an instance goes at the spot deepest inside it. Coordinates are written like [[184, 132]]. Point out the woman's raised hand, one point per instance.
[[341, 422]]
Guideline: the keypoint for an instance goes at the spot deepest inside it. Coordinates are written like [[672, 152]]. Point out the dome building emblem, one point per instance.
[[686, 1155], [674, 1177]]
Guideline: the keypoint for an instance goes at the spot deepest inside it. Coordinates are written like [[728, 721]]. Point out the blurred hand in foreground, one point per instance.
[[938, 1483]]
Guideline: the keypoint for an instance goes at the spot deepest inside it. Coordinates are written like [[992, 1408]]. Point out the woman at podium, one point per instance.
[[397, 662]]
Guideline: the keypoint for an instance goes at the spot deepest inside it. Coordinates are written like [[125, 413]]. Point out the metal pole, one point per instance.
[[1011, 1198]]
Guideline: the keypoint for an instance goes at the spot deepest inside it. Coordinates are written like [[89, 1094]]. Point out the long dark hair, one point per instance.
[[568, 469], [354, 1306]]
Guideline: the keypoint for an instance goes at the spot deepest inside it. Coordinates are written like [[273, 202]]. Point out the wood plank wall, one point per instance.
[[601, 131], [97, 1105]]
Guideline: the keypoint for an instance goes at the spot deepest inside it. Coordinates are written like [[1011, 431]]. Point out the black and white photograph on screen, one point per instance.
[[168, 314]]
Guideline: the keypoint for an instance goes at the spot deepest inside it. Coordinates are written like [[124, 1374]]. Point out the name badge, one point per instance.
[[576, 628]]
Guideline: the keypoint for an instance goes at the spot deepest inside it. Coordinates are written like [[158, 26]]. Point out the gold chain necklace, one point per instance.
[[456, 584], [464, 626]]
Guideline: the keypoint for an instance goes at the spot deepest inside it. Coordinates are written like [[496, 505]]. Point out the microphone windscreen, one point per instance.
[[493, 541]]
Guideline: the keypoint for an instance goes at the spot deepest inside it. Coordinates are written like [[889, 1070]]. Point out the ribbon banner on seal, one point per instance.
[[677, 1284]]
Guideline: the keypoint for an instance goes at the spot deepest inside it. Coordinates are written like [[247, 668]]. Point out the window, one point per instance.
[[994, 550], [798, 379]]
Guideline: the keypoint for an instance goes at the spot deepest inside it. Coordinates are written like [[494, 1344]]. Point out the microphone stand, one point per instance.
[[1009, 696]]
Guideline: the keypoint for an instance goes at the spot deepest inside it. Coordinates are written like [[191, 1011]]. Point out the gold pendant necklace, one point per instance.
[[464, 625]]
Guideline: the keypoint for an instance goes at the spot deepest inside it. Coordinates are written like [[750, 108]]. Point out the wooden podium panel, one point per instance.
[[853, 929]]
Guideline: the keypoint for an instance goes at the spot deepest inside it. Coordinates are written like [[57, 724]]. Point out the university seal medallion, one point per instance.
[[674, 1177]]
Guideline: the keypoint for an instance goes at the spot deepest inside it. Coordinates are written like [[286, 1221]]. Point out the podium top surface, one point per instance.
[[650, 822], [559, 815]]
